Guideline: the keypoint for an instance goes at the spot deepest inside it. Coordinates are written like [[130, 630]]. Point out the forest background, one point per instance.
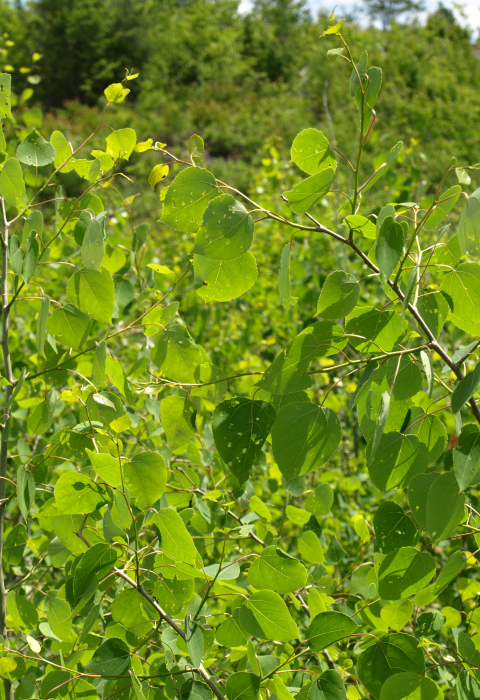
[[247, 82]]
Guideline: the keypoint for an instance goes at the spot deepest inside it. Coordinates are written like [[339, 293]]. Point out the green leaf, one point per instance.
[[92, 246], [362, 225], [277, 571], [252, 658], [159, 172], [96, 563], [145, 476], [429, 430], [14, 544], [328, 686], [466, 687], [42, 417], [34, 150], [196, 148], [223, 280], [335, 29], [379, 329], [231, 633], [465, 389], [5, 93], [112, 658], [304, 437], [99, 374], [240, 427], [177, 355], [310, 548], [469, 227], [404, 572], [60, 685], [309, 191], [176, 541], [445, 507], [271, 617], [450, 570], [371, 93], [434, 310], [93, 293], [32, 254], [116, 376], [8, 663], [287, 373], [311, 151], [335, 553], [42, 325], [410, 686], [298, 516], [194, 640], [357, 75], [329, 627], [77, 494], [380, 426], [187, 198], [397, 613], [227, 230], [25, 490], [22, 611], [391, 655], [59, 616], [393, 528], [441, 210], [397, 459], [116, 92], [429, 624], [334, 54], [407, 376], [120, 144], [70, 326], [63, 151], [462, 287], [320, 501], [339, 295], [12, 186], [127, 609], [15, 254], [390, 244], [466, 457], [284, 284], [243, 686], [173, 594], [417, 496], [178, 420], [106, 466]]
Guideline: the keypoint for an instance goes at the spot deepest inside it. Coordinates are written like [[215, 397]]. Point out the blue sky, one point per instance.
[[467, 12]]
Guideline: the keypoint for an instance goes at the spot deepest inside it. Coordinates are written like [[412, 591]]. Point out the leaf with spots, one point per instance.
[[311, 151], [304, 437], [187, 198], [393, 528], [240, 427], [227, 230]]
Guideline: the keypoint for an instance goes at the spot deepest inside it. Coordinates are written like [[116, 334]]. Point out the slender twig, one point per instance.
[[8, 686]]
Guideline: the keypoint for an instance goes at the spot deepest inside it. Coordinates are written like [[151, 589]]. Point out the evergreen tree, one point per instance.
[[388, 10]]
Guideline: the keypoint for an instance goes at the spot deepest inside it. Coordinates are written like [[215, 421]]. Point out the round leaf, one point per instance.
[[226, 231], [223, 280], [304, 437]]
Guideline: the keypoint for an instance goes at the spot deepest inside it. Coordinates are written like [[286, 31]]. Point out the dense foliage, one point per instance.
[[239, 448]]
